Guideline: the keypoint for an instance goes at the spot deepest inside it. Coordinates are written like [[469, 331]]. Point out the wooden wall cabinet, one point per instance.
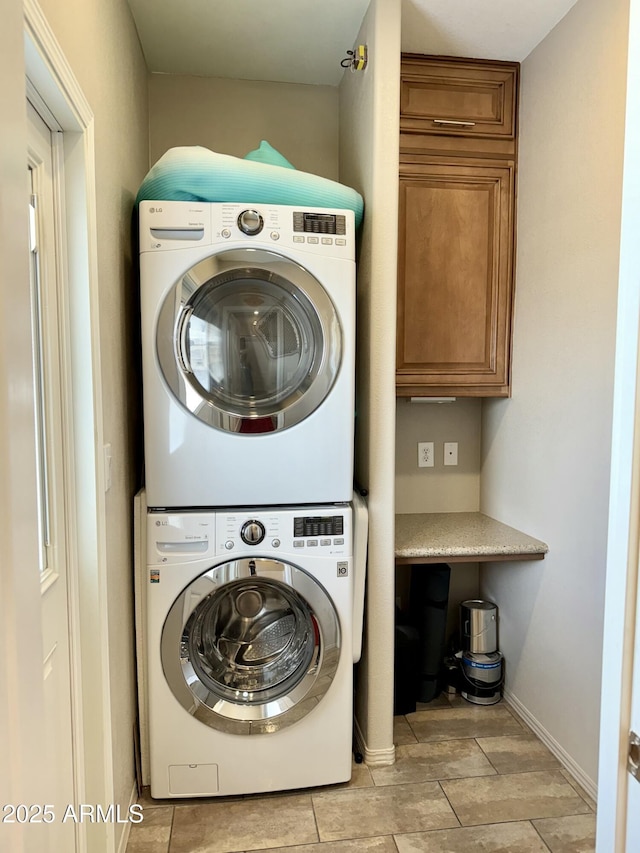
[[456, 227]]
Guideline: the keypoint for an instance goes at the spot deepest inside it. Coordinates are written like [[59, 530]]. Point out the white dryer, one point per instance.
[[250, 649], [248, 353]]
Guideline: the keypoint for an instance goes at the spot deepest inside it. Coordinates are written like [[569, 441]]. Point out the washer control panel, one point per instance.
[[252, 532], [284, 531], [183, 537]]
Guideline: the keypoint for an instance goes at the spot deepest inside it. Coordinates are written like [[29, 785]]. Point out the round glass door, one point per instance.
[[251, 646], [249, 341]]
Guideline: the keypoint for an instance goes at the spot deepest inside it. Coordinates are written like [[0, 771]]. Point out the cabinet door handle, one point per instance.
[[450, 123]]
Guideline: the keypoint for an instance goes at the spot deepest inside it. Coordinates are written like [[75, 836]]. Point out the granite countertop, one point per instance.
[[446, 537]]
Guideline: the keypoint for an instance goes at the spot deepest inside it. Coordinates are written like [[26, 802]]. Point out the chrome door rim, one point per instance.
[[261, 266], [255, 716]]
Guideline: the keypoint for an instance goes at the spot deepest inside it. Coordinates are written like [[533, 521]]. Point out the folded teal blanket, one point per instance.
[[194, 173]]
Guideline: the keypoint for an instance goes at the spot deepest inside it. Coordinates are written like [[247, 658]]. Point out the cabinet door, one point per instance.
[[458, 97], [455, 278]]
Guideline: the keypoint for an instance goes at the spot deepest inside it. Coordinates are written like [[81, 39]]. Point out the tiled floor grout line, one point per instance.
[[315, 818], [173, 817], [539, 836], [487, 757], [444, 793], [578, 789]]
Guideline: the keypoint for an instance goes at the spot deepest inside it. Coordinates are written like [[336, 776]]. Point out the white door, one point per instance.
[[45, 268]]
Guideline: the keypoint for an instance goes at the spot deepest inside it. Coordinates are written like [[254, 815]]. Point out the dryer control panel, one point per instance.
[[170, 225]]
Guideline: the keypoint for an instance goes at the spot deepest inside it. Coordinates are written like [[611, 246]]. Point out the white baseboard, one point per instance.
[[373, 757], [585, 782], [126, 827]]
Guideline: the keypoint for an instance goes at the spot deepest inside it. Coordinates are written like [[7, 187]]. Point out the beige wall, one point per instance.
[[232, 116], [369, 161], [546, 451], [441, 488], [100, 43]]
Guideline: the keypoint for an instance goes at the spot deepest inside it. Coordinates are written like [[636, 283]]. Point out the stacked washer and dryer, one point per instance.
[[252, 592]]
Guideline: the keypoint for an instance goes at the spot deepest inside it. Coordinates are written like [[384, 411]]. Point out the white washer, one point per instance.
[[250, 649], [248, 353]]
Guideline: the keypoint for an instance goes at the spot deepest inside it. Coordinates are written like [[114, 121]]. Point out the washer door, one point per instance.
[[251, 646], [249, 341]]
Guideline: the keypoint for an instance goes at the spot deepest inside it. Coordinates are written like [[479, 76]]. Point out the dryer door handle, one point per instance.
[[181, 335]]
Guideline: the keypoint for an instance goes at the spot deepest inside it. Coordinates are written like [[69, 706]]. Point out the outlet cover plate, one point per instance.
[[425, 454], [451, 453]]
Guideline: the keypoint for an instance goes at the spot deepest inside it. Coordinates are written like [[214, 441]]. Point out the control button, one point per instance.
[[340, 242], [275, 235], [338, 541], [298, 543], [275, 543], [250, 222], [312, 543], [327, 241], [228, 544], [226, 232], [312, 240], [298, 239], [252, 532], [325, 541]]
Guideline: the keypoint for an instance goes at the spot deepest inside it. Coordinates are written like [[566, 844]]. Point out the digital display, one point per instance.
[[318, 525], [319, 223]]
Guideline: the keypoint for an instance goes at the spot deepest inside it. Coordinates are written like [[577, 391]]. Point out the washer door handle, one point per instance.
[[181, 336]]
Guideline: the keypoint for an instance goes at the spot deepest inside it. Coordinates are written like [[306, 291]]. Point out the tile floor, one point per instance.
[[467, 778]]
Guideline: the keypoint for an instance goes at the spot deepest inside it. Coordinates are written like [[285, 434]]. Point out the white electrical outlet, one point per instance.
[[425, 454], [451, 453]]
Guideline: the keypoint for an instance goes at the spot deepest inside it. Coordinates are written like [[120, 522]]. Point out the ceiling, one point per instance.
[[482, 29], [303, 41]]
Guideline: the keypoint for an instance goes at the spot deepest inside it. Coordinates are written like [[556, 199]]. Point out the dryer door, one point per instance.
[[251, 646], [249, 341]]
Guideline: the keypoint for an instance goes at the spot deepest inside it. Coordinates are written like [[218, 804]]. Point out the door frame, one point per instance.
[[623, 553], [51, 80]]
